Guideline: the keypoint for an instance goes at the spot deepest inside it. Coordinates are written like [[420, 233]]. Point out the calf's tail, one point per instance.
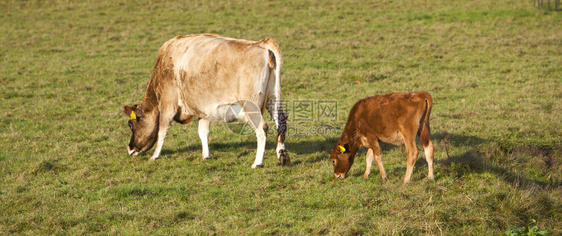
[[425, 132]]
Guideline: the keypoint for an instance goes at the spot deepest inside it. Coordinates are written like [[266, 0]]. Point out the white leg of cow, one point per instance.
[[204, 126], [262, 138], [429, 158], [164, 126]]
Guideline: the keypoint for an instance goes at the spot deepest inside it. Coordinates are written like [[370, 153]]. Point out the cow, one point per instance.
[[216, 79], [393, 118]]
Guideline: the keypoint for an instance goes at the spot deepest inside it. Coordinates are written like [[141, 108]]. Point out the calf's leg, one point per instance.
[[429, 158], [369, 158], [427, 147], [410, 143], [378, 159], [374, 153]]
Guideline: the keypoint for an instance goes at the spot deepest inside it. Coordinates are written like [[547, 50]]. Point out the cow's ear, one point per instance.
[[127, 110], [138, 110], [133, 112]]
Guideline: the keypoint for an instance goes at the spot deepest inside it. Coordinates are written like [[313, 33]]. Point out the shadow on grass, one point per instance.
[[494, 157], [482, 156], [249, 145]]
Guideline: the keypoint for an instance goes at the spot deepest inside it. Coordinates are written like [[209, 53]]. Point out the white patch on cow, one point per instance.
[[180, 102], [130, 151], [280, 146]]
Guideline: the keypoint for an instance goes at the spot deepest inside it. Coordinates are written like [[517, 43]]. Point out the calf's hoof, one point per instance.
[[284, 158]]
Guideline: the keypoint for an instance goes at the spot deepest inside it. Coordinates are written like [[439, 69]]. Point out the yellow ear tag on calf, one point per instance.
[[133, 116], [342, 149]]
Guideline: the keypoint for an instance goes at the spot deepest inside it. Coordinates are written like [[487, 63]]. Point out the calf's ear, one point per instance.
[[342, 148]]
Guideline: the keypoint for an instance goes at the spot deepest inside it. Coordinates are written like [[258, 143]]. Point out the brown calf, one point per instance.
[[393, 118]]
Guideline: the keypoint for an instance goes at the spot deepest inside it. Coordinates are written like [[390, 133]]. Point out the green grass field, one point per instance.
[[494, 69]]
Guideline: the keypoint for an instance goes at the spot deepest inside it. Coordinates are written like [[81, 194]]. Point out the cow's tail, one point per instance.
[[276, 63], [277, 112], [425, 132]]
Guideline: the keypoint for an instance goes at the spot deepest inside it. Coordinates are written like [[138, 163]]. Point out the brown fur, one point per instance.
[[393, 118]]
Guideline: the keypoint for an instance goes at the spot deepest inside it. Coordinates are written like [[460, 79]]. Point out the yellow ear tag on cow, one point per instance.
[[342, 149], [133, 116]]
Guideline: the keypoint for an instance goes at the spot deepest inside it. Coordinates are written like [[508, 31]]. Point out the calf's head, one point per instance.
[[143, 128], [341, 159]]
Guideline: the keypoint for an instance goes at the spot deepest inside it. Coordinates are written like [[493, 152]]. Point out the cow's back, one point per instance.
[[212, 71]]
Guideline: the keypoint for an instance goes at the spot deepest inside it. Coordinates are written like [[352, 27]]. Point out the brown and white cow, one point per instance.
[[393, 118], [216, 79]]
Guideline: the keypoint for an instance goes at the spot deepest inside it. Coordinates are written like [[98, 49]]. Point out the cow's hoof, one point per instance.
[[254, 166], [284, 158]]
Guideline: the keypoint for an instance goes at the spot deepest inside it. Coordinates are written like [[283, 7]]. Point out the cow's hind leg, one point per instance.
[[204, 126], [276, 111], [253, 116], [258, 123]]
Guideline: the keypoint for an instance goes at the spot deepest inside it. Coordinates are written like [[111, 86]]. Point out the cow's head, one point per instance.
[[143, 128], [342, 159]]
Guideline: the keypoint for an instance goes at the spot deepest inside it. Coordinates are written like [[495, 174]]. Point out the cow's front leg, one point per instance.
[[204, 126], [163, 127]]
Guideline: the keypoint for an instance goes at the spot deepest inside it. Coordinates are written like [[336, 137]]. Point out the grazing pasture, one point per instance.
[[493, 68]]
